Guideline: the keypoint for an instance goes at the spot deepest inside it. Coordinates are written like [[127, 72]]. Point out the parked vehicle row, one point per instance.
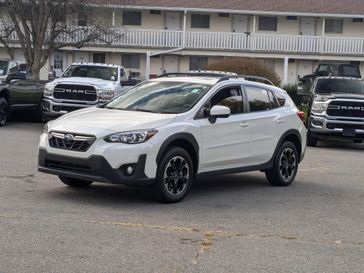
[[168, 131], [80, 86]]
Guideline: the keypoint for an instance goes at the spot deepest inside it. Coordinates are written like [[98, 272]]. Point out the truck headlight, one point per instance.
[[48, 91], [106, 95], [132, 137], [318, 107]]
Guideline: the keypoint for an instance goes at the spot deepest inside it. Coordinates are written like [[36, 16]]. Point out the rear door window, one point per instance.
[[258, 99]]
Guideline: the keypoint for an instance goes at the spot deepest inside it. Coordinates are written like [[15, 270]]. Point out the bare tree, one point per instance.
[[43, 26]]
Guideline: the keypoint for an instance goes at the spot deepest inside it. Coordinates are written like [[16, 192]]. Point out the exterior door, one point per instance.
[[267, 125], [225, 143], [171, 64], [240, 23], [308, 26], [173, 20]]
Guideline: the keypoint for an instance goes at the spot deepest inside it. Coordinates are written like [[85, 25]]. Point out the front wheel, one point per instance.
[[75, 183], [174, 176], [285, 165], [3, 111]]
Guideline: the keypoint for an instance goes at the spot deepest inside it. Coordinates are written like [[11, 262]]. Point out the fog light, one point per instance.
[[130, 170], [317, 123], [56, 108]]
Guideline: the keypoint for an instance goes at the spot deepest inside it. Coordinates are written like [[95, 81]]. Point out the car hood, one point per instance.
[[100, 121], [87, 81]]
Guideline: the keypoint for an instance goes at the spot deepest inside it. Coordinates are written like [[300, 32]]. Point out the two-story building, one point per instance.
[[158, 36]]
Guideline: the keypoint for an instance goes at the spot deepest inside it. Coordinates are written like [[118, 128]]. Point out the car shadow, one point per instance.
[[341, 144]]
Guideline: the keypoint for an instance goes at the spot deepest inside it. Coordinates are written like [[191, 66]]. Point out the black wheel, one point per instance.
[[4, 108], [75, 183], [285, 165], [174, 176], [311, 140]]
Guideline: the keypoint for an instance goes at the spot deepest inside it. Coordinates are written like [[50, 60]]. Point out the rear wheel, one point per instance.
[[4, 108], [174, 176], [75, 183], [285, 165]]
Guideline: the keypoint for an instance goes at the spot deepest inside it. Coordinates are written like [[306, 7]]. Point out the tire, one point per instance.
[[4, 111], [285, 165], [311, 140], [75, 183], [175, 176]]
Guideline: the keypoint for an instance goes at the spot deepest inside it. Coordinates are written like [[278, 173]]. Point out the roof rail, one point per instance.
[[248, 78], [194, 74]]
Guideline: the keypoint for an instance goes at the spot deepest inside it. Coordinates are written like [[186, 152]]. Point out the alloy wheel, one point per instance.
[[287, 164], [176, 175]]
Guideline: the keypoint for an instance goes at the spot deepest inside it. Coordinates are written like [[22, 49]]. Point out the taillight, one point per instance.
[[301, 115]]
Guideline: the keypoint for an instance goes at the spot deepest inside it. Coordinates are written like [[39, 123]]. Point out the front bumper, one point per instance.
[[53, 109], [326, 127], [95, 168]]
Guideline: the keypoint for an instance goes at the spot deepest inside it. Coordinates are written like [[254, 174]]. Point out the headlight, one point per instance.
[[318, 107], [48, 90], [132, 137], [106, 95]]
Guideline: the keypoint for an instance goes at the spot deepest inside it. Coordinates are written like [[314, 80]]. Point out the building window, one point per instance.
[[130, 60], [198, 63], [58, 61], [99, 58], [357, 20], [200, 21], [132, 18], [82, 19], [268, 23], [334, 26]]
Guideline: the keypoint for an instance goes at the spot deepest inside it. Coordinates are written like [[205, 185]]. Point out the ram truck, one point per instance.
[[84, 85], [337, 109]]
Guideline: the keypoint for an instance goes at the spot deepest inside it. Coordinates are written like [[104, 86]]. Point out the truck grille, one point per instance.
[[75, 92], [70, 142], [346, 109]]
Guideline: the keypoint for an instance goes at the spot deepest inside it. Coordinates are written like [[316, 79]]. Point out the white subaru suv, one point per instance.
[[168, 131]]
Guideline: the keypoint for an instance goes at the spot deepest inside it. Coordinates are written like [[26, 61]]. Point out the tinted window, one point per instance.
[[160, 97], [89, 71], [339, 86], [258, 99], [281, 99], [229, 97], [273, 101]]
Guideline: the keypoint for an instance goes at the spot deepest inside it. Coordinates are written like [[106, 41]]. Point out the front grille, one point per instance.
[[75, 92], [64, 166], [65, 141], [346, 109], [333, 125]]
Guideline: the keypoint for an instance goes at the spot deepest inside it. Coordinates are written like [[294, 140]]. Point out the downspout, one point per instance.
[[150, 54]]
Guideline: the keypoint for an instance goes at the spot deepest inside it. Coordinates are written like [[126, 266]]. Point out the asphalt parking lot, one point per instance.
[[235, 223]]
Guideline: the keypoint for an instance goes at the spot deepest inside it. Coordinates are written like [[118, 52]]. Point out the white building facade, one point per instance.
[[156, 38]]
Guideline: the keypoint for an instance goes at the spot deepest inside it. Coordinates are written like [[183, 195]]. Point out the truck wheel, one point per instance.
[[4, 108], [285, 165], [311, 140], [175, 175], [75, 183]]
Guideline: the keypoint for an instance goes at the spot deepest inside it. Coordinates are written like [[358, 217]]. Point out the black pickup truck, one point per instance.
[[337, 109], [20, 95]]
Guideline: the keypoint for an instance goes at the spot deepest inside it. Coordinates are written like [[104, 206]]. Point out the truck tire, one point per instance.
[[311, 140], [75, 183], [285, 165], [4, 111]]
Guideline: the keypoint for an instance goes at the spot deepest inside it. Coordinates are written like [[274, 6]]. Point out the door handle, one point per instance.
[[244, 125], [280, 121]]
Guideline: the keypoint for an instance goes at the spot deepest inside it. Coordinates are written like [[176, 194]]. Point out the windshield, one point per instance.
[[160, 97], [327, 86], [89, 71], [3, 67]]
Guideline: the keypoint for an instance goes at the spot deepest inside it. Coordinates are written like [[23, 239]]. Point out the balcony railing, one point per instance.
[[221, 41]]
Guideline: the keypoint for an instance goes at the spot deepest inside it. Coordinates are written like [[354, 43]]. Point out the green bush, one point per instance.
[[245, 66]]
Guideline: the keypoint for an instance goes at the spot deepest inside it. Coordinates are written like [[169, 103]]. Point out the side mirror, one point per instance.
[[219, 111]]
